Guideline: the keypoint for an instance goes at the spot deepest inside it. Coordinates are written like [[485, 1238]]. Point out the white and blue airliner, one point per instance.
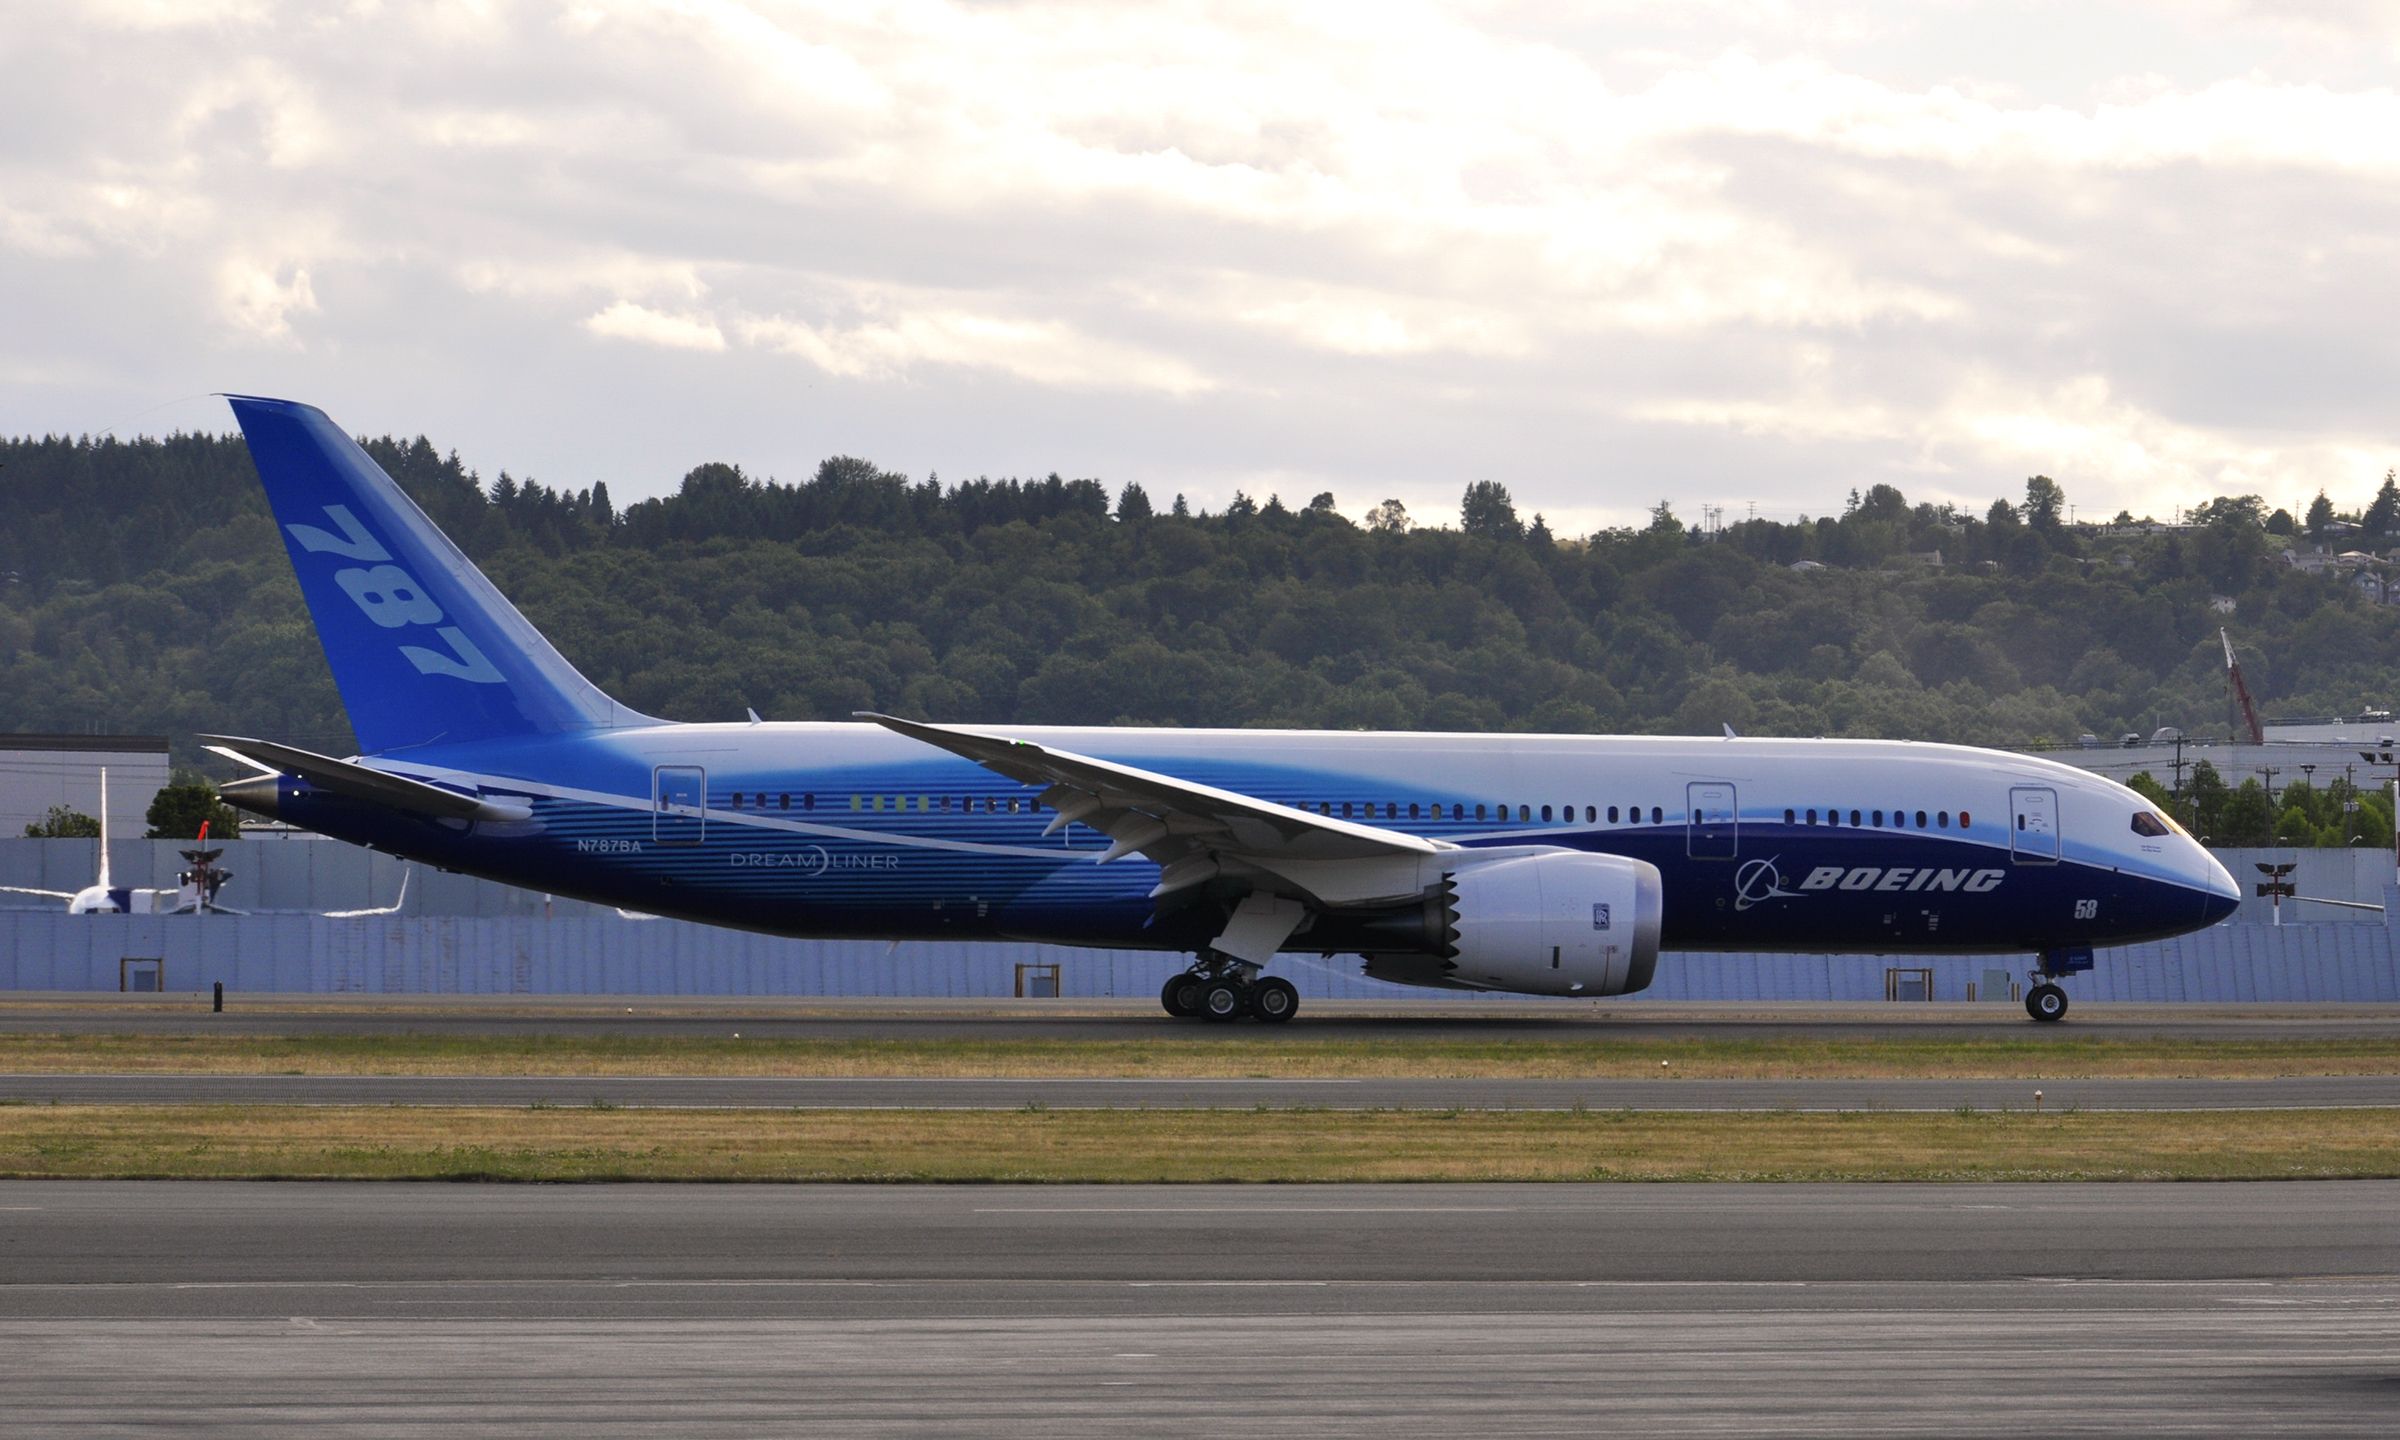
[[1535, 864]]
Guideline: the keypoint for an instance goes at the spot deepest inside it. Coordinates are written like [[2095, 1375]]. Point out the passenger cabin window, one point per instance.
[[2144, 823], [1920, 819], [1657, 816], [1878, 814]]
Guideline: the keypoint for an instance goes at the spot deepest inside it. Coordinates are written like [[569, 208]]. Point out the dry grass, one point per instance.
[[1181, 1146], [1231, 1053]]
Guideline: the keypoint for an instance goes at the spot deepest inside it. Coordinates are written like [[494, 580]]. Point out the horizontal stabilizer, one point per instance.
[[357, 782]]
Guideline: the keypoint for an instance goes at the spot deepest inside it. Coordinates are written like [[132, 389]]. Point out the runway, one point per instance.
[[1344, 1021], [1335, 1310], [801, 1092]]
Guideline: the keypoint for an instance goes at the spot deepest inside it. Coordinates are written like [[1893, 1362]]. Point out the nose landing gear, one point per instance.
[[1222, 989], [2045, 1001]]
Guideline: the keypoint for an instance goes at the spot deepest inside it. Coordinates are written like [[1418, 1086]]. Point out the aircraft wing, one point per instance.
[[391, 909], [29, 890], [1193, 832]]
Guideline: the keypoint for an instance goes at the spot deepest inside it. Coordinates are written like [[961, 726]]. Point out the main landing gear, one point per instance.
[[2046, 1002], [1228, 990]]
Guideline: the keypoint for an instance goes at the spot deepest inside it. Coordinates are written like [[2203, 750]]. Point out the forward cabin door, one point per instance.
[[679, 809], [1713, 829], [2033, 825]]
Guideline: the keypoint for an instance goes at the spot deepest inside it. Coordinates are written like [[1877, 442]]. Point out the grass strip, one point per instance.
[[1230, 1053], [1184, 1146]]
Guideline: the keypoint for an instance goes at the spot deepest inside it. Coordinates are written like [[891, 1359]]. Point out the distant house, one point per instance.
[[2221, 604], [1805, 566]]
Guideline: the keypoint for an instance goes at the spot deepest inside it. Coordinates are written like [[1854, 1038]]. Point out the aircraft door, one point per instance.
[[2033, 825], [679, 810], [1713, 829]]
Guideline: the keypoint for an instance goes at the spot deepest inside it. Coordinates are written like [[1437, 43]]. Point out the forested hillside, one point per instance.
[[142, 588]]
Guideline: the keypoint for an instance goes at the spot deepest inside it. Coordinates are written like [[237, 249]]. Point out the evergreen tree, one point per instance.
[[2320, 515], [2383, 514], [64, 824], [177, 812], [1133, 503], [2045, 503], [1488, 513]]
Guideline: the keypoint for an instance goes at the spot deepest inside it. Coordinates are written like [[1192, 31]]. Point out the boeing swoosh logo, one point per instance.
[[1758, 882]]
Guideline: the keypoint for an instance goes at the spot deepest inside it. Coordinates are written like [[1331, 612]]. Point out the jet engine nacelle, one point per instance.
[[1558, 923]]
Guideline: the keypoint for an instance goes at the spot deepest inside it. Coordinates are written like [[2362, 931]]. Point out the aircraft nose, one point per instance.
[[2222, 896]]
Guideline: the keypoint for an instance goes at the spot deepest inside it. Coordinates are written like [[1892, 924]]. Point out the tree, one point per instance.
[[2383, 515], [2248, 817], [2281, 523], [2044, 502], [1389, 518], [2207, 801], [2146, 785], [2320, 515], [1539, 537], [1488, 513], [1133, 503], [177, 812], [63, 824]]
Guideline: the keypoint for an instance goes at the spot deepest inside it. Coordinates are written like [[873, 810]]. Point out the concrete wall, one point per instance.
[[607, 956], [467, 936]]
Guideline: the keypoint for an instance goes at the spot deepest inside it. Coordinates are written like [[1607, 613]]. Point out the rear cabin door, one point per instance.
[[2033, 825], [679, 814], [1713, 829]]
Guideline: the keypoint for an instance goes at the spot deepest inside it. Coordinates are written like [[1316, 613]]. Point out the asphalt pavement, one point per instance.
[[1224, 1310]]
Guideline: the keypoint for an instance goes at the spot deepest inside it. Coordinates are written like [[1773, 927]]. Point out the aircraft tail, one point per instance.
[[423, 648]]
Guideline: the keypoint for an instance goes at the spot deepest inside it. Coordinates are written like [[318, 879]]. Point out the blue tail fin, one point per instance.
[[424, 649]]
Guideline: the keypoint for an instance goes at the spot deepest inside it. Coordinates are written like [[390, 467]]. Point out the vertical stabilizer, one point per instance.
[[424, 649], [103, 881]]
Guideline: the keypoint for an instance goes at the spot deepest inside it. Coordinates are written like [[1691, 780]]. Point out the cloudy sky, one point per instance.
[[1730, 253]]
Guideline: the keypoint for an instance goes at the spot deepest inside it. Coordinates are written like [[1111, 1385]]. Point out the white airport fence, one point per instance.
[[591, 955]]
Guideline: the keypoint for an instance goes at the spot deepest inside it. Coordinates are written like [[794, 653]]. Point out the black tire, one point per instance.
[[2046, 1003], [1180, 996], [1222, 1000], [1274, 1001]]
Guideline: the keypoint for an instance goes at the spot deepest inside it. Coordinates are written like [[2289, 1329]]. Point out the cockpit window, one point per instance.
[[2145, 823]]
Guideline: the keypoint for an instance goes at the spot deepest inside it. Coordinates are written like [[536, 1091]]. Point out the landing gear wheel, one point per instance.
[[2046, 1003], [1181, 996], [1222, 1000], [1274, 1001]]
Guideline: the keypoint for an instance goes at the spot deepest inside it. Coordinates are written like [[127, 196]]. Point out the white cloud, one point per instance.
[[1041, 352], [670, 330], [261, 300], [1388, 247]]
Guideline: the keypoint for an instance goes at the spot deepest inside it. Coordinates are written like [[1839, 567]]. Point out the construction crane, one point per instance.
[[2248, 713]]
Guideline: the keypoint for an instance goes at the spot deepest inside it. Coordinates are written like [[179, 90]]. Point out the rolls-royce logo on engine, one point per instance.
[[1600, 917]]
